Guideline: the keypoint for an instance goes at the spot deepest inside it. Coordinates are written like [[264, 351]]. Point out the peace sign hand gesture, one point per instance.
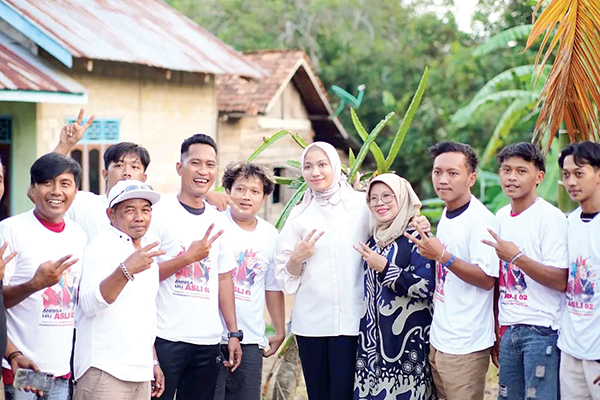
[[49, 273], [505, 250], [4, 261], [199, 249], [305, 249], [142, 259], [72, 133], [428, 246], [375, 261]]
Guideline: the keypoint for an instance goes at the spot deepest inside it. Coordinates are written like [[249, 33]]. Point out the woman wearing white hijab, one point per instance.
[[393, 346], [316, 262]]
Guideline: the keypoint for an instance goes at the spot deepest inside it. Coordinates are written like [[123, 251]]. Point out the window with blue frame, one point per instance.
[[89, 152]]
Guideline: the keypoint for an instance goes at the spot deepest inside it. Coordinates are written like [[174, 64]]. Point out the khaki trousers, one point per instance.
[[1, 388], [96, 384], [459, 377]]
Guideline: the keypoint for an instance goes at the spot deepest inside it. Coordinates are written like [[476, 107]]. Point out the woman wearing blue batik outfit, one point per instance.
[[393, 343]]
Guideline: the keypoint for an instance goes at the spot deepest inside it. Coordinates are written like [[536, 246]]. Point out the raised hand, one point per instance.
[[4, 261], [199, 249], [49, 273], [142, 259], [305, 249], [375, 261], [72, 133], [428, 246], [504, 249], [422, 221], [221, 200]]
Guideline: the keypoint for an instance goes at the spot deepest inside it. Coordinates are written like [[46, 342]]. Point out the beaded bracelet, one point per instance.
[[125, 272]]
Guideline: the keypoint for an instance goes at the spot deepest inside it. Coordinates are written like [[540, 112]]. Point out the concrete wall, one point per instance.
[[157, 109], [23, 152]]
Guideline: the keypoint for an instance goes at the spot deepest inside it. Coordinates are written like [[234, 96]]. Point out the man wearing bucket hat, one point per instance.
[[114, 355]]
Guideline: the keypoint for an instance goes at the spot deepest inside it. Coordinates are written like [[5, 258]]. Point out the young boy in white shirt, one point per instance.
[[579, 337], [462, 332], [532, 247], [253, 242]]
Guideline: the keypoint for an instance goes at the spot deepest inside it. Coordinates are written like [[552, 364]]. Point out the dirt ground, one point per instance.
[[491, 390]]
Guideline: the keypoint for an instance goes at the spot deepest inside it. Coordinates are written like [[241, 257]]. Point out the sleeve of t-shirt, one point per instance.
[[554, 241], [481, 254], [95, 268], [271, 284]]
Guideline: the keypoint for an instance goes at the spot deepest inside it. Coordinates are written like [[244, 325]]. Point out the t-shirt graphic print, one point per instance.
[[249, 267], [192, 280], [583, 280], [59, 300]]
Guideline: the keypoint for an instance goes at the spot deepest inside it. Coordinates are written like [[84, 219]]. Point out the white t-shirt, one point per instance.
[[116, 338], [89, 211], [41, 326], [188, 302], [580, 328], [540, 232], [253, 274], [329, 293], [463, 318]]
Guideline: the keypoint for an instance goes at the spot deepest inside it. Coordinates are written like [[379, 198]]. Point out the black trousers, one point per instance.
[[189, 369], [328, 365], [245, 382]]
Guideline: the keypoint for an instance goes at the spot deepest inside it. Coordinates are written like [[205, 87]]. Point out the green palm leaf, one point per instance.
[[502, 39], [373, 147]]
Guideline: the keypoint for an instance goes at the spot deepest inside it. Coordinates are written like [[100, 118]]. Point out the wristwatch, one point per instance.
[[239, 334]]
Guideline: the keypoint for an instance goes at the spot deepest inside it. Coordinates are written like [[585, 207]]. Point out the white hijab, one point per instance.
[[339, 187]]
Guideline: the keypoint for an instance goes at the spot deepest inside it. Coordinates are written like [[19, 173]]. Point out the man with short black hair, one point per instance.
[[531, 244], [189, 325], [462, 332], [116, 331], [40, 295], [579, 337]]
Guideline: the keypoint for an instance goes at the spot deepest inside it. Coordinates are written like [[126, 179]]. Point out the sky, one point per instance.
[[463, 10]]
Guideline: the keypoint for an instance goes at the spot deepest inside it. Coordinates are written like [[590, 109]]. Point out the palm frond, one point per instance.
[[463, 116], [571, 93], [522, 73], [502, 39]]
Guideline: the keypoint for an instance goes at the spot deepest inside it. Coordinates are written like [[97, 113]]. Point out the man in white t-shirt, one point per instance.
[[40, 295], [579, 337], [253, 242], [532, 246], [189, 325], [117, 328], [462, 332]]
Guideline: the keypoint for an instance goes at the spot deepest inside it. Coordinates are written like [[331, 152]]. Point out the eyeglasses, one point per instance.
[[385, 198], [132, 188]]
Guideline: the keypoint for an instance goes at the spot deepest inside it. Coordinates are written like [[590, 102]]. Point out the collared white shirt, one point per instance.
[[329, 292], [116, 338]]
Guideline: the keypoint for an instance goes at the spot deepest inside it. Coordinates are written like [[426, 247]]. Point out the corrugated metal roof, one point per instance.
[[146, 32], [21, 70]]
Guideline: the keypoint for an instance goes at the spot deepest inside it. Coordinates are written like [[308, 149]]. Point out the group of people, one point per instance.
[[164, 296]]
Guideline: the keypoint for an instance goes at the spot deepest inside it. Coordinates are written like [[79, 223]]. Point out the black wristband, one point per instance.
[[13, 355]]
